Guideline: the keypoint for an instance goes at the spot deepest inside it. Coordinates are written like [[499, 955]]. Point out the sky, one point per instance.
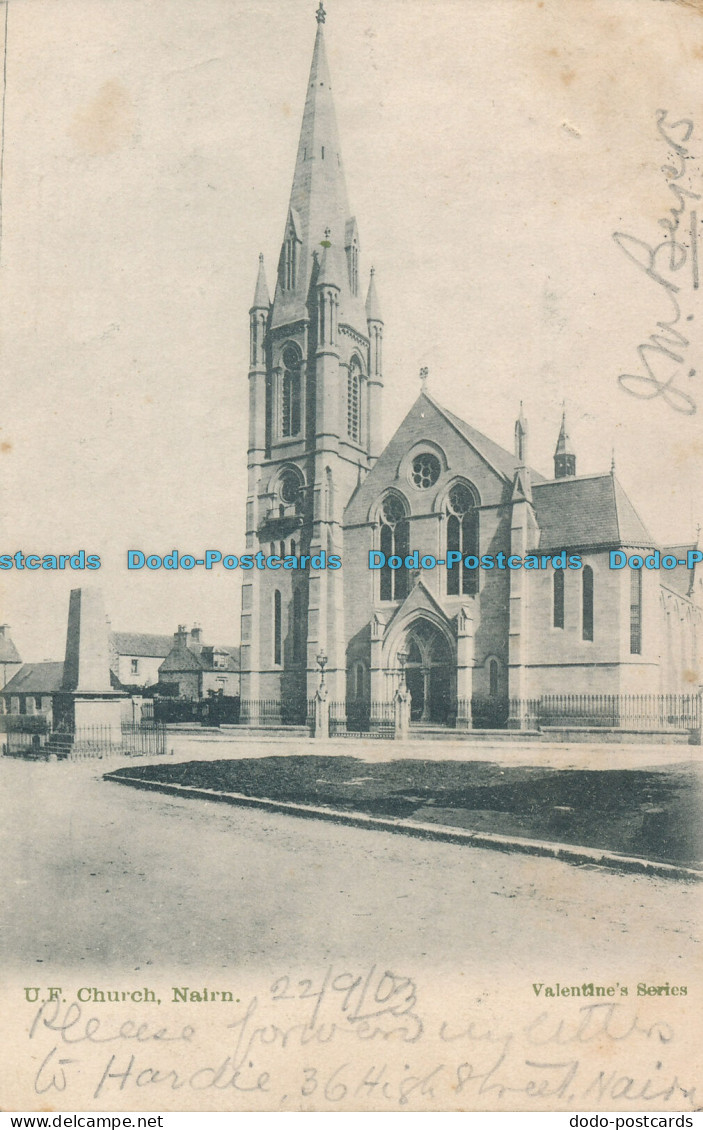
[[492, 151]]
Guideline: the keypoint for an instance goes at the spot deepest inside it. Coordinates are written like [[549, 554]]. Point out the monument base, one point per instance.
[[100, 714]]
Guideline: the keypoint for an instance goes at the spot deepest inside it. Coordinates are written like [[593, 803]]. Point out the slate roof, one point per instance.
[[591, 511], [8, 651], [497, 457], [680, 580], [141, 644], [181, 658], [35, 678]]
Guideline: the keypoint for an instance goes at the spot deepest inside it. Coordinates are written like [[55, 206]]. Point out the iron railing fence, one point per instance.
[[614, 711], [271, 712], [130, 740], [646, 712]]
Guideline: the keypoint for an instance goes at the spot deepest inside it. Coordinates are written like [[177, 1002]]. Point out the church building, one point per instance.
[[475, 646]]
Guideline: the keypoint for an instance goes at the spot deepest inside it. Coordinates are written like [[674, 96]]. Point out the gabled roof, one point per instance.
[[419, 597], [35, 678], [141, 644], [681, 579], [181, 658], [231, 655], [588, 511], [496, 457], [8, 651]]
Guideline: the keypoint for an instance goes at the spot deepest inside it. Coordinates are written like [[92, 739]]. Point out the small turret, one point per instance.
[[564, 454], [262, 300], [521, 439], [522, 482], [374, 322], [258, 320]]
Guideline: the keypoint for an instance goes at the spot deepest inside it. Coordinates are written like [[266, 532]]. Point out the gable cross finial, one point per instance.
[[320, 14], [424, 377]]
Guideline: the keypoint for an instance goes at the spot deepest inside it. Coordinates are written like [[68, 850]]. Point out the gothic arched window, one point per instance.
[[395, 542], [353, 265], [462, 537], [636, 612], [290, 423], [354, 401], [290, 262], [298, 624], [587, 603], [558, 598], [277, 627], [493, 673]]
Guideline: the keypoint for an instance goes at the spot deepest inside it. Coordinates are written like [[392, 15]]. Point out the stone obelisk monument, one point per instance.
[[87, 700]]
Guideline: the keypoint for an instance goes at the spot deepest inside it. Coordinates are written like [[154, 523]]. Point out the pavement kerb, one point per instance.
[[567, 853]]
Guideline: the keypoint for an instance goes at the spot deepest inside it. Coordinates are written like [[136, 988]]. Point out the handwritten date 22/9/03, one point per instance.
[[346, 1039], [671, 264]]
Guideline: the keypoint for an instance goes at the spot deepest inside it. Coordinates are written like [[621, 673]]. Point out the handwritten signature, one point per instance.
[[355, 1037], [664, 353]]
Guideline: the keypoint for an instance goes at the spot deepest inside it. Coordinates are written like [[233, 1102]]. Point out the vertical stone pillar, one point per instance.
[[464, 667], [376, 680], [401, 713], [322, 713]]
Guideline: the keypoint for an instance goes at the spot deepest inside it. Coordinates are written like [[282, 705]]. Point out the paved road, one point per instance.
[[114, 877]]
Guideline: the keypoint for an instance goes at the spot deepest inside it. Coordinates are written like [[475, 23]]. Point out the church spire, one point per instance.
[[318, 201], [262, 300], [564, 454]]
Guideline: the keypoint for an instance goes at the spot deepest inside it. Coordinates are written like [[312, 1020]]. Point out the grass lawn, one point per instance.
[[655, 814]]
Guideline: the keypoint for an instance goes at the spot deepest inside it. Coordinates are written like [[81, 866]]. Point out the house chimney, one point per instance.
[[180, 636], [195, 633]]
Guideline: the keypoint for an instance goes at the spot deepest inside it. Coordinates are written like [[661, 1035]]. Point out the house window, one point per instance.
[[493, 678], [462, 537], [135, 666], [587, 603], [395, 541], [290, 423], [426, 469], [277, 627], [558, 598], [354, 401], [635, 612]]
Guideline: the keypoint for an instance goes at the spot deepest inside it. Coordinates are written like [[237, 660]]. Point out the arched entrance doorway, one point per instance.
[[430, 673]]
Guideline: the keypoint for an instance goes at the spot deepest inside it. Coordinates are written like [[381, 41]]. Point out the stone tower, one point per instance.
[[315, 386]]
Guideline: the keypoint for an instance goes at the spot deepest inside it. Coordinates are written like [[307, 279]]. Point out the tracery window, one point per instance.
[[425, 470], [462, 537], [395, 542], [290, 423], [354, 401]]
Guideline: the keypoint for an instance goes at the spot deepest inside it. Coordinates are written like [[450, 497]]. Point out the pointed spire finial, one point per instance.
[[261, 256], [612, 461], [320, 14]]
